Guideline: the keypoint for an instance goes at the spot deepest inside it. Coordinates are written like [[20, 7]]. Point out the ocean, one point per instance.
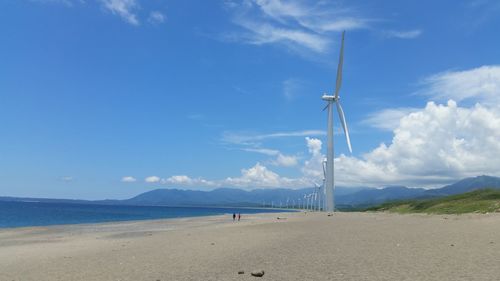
[[22, 214]]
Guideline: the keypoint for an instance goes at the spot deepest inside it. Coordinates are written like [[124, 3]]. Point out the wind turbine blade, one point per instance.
[[344, 125], [339, 68]]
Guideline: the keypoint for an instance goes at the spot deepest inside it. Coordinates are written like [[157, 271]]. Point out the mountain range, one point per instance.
[[345, 198]]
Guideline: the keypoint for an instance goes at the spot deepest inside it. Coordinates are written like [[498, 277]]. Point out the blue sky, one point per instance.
[[110, 98]]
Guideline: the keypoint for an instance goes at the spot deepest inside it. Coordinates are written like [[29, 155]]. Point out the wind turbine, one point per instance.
[[317, 196], [334, 99]]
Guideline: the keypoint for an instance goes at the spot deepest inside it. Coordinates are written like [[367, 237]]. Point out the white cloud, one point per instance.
[[481, 84], [152, 179], [182, 179], [260, 176], [339, 25], [252, 143], [126, 9], [431, 146], [281, 159], [300, 26], [313, 145], [409, 34], [438, 144], [285, 160], [265, 151], [263, 33], [388, 119], [123, 8], [248, 138], [129, 179], [280, 10], [313, 167], [156, 17], [187, 181], [319, 17]]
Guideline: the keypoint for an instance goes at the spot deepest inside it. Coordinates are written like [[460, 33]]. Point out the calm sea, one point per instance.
[[19, 214]]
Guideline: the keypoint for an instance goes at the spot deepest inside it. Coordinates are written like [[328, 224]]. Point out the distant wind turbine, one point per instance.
[[334, 99], [317, 196]]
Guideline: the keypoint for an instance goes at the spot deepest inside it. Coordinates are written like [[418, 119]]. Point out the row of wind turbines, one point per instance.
[[313, 201], [322, 198]]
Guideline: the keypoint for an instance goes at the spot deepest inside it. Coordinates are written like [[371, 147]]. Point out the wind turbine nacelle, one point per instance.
[[326, 97]]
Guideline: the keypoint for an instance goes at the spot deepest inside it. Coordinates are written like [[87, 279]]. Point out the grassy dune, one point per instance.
[[479, 201]]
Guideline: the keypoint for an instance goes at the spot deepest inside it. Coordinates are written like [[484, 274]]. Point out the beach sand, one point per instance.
[[312, 246]]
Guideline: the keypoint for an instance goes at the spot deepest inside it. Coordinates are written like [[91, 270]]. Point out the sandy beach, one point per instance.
[[313, 246]]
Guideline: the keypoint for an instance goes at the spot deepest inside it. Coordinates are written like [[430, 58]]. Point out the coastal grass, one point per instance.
[[478, 201]]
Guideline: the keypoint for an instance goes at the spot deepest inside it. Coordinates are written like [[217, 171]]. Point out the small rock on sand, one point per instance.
[[241, 272], [257, 273]]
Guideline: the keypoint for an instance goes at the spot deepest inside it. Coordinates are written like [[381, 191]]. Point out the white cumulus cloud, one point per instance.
[[438, 144], [430, 146], [260, 176], [129, 179], [187, 181], [388, 119], [313, 167], [152, 179], [285, 160]]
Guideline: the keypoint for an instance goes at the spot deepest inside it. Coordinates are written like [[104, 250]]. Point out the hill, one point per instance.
[[478, 201], [466, 185], [374, 196], [228, 197], [346, 198]]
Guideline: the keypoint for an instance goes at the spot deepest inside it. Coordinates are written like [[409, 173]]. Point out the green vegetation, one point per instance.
[[479, 201]]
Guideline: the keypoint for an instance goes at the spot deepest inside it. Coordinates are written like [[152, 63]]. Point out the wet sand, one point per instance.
[[313, 246]]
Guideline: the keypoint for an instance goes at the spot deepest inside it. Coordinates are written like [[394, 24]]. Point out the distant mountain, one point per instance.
[[345, 198], [227, 197], [43, 200], [374, 196], [466, 185]]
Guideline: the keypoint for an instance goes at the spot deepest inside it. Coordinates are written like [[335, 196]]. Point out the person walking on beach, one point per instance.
[[239, 216], [234, 216]]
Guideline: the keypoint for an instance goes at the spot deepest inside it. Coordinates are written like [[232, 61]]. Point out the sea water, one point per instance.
[[21, 214]]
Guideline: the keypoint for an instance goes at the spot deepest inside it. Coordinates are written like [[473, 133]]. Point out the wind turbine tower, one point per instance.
[[334, 99]]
